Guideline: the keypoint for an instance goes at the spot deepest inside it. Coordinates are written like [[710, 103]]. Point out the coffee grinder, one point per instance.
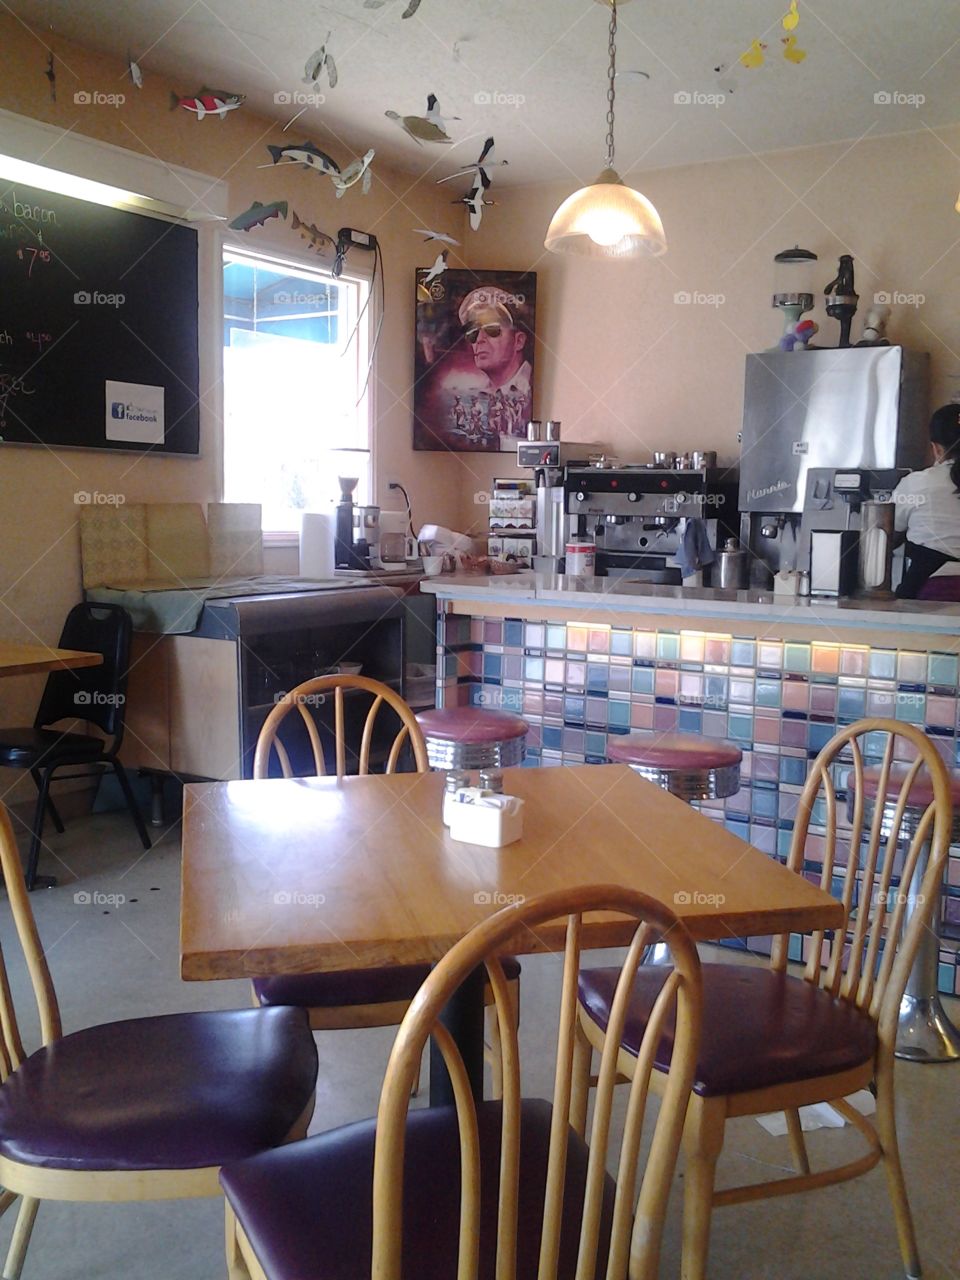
[[842, 298], [349, 551]]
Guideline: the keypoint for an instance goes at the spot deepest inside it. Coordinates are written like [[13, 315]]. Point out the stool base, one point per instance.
[[924, 1032]]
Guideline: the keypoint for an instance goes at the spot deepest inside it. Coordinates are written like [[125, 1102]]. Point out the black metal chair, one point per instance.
[[94, 694]]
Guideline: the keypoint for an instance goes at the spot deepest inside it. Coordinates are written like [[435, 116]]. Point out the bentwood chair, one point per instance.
[[353, 998], [484, 1188], [775, 1042], [94, 694], [146, 1109]]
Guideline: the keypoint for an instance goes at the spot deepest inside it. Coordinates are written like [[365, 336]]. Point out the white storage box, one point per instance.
[[484, 817]]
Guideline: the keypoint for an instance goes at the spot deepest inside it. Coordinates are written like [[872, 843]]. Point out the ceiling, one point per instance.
[[532, 72]]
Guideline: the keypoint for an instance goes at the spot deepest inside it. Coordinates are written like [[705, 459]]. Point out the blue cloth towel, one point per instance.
[[695, 551]]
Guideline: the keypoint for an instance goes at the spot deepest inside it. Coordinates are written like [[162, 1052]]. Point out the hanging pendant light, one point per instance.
[[607, 219]]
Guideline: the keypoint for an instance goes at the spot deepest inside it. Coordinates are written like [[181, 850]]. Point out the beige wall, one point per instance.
[[39, 548], [619, 362]]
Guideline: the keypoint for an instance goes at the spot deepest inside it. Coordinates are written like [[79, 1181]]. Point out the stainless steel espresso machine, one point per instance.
[[635, 514], [825, 433]]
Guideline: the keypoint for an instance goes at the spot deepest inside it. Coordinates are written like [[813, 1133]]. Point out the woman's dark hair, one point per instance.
[[945, 431]]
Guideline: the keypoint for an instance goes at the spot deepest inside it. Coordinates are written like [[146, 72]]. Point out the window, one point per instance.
[[296, 414]]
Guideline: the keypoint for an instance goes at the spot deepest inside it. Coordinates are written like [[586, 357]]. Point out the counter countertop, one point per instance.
[[557, 590]]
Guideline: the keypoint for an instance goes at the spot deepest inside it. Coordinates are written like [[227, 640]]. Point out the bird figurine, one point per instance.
[[438, 268], [791, 18], [753, 57], [426, 128], [51, 74], [479, 169], [434, 235], [320, 62], [791, 52], [475, 201]]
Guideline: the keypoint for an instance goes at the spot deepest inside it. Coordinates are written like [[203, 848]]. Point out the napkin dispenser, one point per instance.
[[484, 817]]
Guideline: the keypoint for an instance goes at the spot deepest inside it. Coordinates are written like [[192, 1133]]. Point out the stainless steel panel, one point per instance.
[[855, 407]]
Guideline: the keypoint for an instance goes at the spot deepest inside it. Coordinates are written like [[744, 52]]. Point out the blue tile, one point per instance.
[[819, 735], [556, 638], [574, 710], [689, 720], [784, 841], [620, 679], [795, 948], [715, 691], [851, 703], [598, 677], [740, 728], [942, 669], [511, 700], [768, 693], [763, 803], [513, 634], [621, 642], [642, 679], [552, 737], [618, 714], [911, 707], [596, 745], [743, 653], [668, 647], [883, 664], [492, 666], [533, 670], [793, 770], [796, 657]]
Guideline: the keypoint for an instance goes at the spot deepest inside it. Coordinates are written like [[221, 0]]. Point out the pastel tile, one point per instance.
[[513, 669], [493, 633], [642, 679], [513, 633], [620, 679], [942, 669], [851, 703], [883, 664], [532, 702], [534, 635], [553, 704], [770, 655], [598, 677], [576, 675], [691, 647], [621, 642], [796, 657], [854, 662], [665, 719], [690, 720], [741, 690], [574, 710], [911, 707], [793, 733], [691, 687], [911, 667], [823, 700], [740, 727], [714, 724], [533, 670], [556, 638], [492, 666], [645, 645], [641, 715], [768, 693], [764, 765], [766, 729], [599, 640], [717, 651], [552, 737], [597, 712], [577, 638], [595, 747], [666, 683], [941, 711], [553, 670], [796, 695], [668, 646], [825, 659], [881, 702], [743, 653], [618, 714]]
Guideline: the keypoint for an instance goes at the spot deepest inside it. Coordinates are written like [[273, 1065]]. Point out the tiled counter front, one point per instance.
[[578, 684]]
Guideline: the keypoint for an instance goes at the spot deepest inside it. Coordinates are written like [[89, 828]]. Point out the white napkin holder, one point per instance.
[[484, 817]]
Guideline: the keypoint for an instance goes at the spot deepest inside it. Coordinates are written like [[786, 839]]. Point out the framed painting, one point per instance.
[[473, 369]]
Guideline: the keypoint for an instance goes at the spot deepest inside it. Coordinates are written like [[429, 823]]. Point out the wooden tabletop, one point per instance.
[[27, 659], [290, 876]]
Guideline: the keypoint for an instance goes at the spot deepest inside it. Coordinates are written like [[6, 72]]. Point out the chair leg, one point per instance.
[[236, 1266], [132, 805], [887, 1129], [798, 1147], [702, 1144], [580, 1084], [23, 1229], [51, 807], [36, 832]]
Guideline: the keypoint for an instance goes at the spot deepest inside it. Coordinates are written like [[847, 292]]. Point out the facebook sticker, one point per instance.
[[118, 409]]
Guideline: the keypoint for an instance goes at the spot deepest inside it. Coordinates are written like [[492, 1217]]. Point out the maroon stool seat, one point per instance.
[[473, 737], [760, 1028], [689, 767], [354, 986], [307, 1209], [176, 1091], [918, 799]]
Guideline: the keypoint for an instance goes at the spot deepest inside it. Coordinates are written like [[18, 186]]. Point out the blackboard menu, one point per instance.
[[98, 326]]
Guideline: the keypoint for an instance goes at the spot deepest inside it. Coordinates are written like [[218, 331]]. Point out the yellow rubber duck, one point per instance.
[[790, 50], [791, 19], [753, 57]]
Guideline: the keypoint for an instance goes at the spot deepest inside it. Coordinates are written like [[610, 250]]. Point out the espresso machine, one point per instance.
[[811, 418], [356, 530], [636, 514]]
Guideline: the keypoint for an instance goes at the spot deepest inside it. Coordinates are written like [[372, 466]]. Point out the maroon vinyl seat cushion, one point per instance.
[[25, 748], [353, 986], [759, 1028], [921, 791], [180, 1091], [307, 1208], [673, 751], [471, 724]]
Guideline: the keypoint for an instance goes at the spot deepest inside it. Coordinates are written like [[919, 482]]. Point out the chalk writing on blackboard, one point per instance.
[[31, 256], [10, 203], [12, 386]]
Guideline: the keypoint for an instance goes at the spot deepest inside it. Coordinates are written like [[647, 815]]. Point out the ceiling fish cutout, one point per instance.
[[357, 171], [791, 19], [210, 102], [434, 235], [134, 72], [258, 214], [51, 74], [315, 238], [753, 57], [430, 127], [790, 50], [306, 154], [478, 170], [319, 63]]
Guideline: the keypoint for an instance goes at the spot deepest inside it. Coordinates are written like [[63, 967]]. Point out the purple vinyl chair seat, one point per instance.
[[180, 1091], [353, 986], [473, 737], [299, 1233], [687, 766], [760, 1028]]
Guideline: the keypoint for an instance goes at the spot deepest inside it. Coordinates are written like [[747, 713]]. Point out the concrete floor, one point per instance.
[[119, 960]]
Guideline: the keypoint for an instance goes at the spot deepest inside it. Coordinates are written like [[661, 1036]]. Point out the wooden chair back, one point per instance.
[[11, 1045], [314, 693], [869, 961], [631, 1247]]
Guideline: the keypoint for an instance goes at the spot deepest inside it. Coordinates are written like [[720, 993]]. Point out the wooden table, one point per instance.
[[292, 876], [28, 659]]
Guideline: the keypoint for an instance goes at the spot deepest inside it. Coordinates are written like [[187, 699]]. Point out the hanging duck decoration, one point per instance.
[[434, 235], [430, 127]]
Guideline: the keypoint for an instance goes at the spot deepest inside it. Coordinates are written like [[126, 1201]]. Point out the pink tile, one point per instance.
[[717, 651], [823, 700], [532, 704], [854, 662], [766, 730], [941, 711], [476, 631], [765, 765], [796, 695], [576, 674], [793, 733], [666, 683], [599, 641], [641, 715], [691, 648], [665, 719], [691, 686], [553, 670], [880, 702]]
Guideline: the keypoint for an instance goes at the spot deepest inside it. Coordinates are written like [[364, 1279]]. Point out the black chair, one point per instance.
[[94, 694]]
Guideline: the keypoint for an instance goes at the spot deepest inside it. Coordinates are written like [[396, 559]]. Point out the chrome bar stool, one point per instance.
[[924, 1032], [688, 767], [470, 738]]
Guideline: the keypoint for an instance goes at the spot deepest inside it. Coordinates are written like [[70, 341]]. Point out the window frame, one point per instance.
[[355, 272]]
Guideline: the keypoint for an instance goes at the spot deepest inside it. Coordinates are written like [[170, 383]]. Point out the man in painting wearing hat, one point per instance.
[[497, 341]]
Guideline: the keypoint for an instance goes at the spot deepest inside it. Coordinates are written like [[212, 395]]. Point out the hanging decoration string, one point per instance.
[[611, 77]]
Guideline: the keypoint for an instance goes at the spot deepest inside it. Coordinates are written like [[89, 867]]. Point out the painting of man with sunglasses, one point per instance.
[[475, 351]]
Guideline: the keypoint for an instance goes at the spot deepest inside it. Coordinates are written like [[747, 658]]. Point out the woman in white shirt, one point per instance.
[[927, 506]]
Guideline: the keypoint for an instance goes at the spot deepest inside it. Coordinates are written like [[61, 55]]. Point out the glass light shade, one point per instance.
[[607, 220]]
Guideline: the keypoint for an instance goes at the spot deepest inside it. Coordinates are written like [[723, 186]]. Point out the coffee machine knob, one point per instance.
[[581, 496], [633, 497]]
